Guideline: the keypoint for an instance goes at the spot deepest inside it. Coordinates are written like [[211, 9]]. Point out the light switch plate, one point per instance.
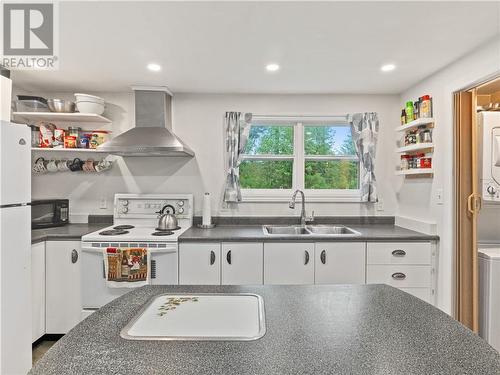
[[439, 196]]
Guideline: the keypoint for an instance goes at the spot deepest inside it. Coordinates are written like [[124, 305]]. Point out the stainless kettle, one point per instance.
[[167, 220]]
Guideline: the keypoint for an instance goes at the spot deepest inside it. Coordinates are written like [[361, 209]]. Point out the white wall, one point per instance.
[[198, 120], [417, 197]]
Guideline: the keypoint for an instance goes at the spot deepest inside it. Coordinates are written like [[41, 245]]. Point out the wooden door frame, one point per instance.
[[467, 203]]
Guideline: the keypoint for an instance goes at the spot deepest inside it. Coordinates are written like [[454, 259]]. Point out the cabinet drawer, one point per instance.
[[399, 253], [422, 293], [400, 276]]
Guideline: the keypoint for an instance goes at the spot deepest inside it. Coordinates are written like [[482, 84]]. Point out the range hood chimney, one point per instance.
[[152, 134]]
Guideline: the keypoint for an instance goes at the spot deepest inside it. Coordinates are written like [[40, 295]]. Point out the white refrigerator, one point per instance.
[[15, 248]]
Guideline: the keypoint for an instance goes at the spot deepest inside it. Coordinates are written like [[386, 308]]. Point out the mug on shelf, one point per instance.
[[103, 165], [63, 165], [39, 166], [52, 166], [76, 165]]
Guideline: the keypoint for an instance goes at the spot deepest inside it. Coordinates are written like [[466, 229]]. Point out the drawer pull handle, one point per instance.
[[306, 257], [398, 276], [212, 258], [399, 253], [323, 257], [228, 257]]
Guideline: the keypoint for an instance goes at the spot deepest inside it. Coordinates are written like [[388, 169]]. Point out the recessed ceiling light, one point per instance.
[[387, 67], [272, 67], [154, 67]]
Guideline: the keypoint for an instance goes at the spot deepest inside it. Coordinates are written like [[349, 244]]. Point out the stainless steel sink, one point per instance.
[[296, 230], [289, 230], [336, 230]]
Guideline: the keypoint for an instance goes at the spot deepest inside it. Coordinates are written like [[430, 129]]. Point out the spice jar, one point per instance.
[[35, 136], [404, 162], [426, 161], [426, 106]]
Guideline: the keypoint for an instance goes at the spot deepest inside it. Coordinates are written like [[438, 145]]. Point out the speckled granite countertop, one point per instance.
[[366, 329], [371, 232], [65, 233]]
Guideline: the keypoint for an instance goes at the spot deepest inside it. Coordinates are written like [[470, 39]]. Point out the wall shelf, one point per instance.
[[415, 147], [31, 117], [414, 172], [415, 124], [56, 150]]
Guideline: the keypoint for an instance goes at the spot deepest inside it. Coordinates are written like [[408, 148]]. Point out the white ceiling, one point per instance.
[[327, 47]]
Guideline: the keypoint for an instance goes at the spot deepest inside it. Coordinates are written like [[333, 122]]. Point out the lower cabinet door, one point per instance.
[[63, 285], [242, 263], [340, 262], [199, 263], [37, 291], [289, 263]]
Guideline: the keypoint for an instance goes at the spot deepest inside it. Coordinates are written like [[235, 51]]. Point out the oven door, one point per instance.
[[95, 291]]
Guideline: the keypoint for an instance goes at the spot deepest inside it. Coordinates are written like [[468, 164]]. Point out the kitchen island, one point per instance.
[[317, 329]]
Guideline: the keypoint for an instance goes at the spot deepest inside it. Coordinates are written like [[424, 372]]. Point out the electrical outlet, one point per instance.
[[380, 204], [103, 203], [439, 196]]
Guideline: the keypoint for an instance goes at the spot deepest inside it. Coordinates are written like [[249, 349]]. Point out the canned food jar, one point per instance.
[[426, 162], [74, 131], [84, 140], [70, 141], [98, 138], [58, 138]]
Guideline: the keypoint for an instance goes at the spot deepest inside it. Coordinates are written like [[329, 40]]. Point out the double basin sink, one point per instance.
[[297, 230]]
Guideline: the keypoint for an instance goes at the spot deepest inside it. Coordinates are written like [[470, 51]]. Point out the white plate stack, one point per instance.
[[89, 104]]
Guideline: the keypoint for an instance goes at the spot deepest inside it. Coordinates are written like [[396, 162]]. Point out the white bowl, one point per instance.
[[88, 98], [90, 107]]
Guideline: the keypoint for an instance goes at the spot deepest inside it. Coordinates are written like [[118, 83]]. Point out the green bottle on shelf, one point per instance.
[[409, 111]]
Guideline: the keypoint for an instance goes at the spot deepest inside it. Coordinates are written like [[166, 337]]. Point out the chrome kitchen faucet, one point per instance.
[[303, 217]]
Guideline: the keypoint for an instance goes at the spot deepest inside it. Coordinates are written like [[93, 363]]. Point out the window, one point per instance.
[[283, 155]]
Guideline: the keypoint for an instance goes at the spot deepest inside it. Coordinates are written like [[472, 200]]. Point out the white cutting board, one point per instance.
[[199, 317]]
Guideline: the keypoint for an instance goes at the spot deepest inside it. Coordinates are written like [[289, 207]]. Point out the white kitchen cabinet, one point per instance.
[[288, 263], [242, 263], [407, 276], [199, 263], [37, 291], [408, 266], [340, 262], [63, 286], [399, 253]]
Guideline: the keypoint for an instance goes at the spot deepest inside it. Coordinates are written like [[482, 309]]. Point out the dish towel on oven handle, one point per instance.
[[127, 267]]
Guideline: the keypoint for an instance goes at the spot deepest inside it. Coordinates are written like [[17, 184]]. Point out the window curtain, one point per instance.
[[364, 128], [237, 130]]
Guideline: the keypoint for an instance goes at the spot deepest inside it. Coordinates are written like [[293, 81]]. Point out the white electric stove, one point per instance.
[[135, 225]]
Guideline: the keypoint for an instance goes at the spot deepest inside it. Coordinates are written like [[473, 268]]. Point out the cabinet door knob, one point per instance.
[[398, 276], [228, 257], [306, 257], [74, 256], [323, 257], [212, 258], [399, 253]]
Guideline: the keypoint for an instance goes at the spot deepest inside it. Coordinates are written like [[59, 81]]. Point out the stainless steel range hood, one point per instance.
[[152, 134]]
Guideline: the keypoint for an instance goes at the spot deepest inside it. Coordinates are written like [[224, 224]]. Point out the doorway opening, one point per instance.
[[474, 185]]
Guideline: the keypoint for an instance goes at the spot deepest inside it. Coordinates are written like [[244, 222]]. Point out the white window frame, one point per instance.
[[299, 158]]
